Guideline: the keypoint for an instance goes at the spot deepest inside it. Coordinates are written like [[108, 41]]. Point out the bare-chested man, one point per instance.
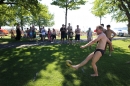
[[95, 56], [109, 33]]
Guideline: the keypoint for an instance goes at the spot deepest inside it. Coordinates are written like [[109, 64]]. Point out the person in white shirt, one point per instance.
[[89, 35], [43, 33]]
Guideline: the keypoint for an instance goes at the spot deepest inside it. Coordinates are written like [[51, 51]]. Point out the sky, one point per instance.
[[82, 17]]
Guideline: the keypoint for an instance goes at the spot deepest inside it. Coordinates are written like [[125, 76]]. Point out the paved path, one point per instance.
[[34, 43], [28, 44]]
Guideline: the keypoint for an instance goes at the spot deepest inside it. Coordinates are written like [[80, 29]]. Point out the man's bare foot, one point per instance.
[[75, 67], [93, 75]]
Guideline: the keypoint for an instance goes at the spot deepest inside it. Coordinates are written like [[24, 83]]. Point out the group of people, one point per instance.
[[29, 33], [67, 33], [104, 38], [110, 34], [50, 34]]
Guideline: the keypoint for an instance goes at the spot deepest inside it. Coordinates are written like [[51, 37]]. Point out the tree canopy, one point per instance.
[[120, 10], [68, 4], [29, 12]]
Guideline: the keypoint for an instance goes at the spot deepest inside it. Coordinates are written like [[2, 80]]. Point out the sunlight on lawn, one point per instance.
[[19, 66], [51, 76]]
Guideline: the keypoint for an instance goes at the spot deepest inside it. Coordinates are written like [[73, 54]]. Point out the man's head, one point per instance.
[[102, 25], [77, 26], [89, 28], [108, 26], [99, 29], [62, 25], [69, 24]]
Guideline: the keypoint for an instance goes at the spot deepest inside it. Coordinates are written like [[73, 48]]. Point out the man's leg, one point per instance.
[[95, 58], [83, 62], [109, 50], [106, 47]]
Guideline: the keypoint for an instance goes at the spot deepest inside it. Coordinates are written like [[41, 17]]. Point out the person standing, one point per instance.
[[12, 34], [53, 36], [98, 53], [33, 32], [66, 33], [49, 34], [77, 34], [71, 36], [18, 32], [110, 35], [63, 31], [103, 28], [69, 28], [43, 34], [89, 35], [27, 31]]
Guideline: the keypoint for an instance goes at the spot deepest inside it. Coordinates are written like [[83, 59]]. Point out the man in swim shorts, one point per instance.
[[109, 35], [95, 56]]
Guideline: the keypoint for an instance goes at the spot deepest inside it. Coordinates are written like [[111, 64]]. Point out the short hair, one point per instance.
[[108, 25], [100, 27]]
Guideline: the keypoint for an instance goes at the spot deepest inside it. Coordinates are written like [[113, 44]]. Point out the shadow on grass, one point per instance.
[[19, 66]]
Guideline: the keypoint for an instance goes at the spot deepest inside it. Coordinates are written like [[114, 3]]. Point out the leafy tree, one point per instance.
[[44, 17], [18, 14], [68, 5], [99, 10], [120, 10], [6, 15]]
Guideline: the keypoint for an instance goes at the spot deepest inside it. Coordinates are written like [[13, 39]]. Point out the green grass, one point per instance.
[[7, 39], [19, 66]]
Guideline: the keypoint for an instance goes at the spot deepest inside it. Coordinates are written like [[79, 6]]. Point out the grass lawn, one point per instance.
[[45, 66]]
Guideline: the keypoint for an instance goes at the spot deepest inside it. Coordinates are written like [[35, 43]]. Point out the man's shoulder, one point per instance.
[[101, 35]]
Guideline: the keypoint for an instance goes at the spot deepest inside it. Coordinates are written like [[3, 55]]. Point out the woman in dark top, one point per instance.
[[18, 33]]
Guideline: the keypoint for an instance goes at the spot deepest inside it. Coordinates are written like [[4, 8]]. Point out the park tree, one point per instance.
[[13, 6], [68, 5], [98, 10], [43, 17], [33, 14], [119, 9], [6, 15]]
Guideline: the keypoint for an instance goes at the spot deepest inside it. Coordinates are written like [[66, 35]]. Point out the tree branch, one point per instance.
[[8, 3], [128, 3], [124, 8]]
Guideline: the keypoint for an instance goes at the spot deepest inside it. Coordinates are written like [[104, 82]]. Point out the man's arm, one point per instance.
[[110, 43], [113, 33], [92, 42]]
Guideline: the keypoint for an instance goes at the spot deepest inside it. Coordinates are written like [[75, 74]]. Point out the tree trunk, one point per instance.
[[100, 20], [21, 23], [129, 27], [66, 11], [39, 22]]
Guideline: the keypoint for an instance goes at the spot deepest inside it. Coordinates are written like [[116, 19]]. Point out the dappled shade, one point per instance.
[[46, 66]]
